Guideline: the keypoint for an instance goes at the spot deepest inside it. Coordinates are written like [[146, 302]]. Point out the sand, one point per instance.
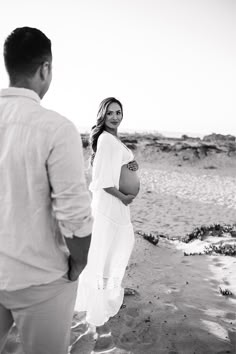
[[178, 307]]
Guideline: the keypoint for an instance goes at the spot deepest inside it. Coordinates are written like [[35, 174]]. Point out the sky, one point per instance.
[[172, 63]]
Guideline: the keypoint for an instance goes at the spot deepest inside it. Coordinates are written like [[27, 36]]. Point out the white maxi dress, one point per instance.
[[100, 292]]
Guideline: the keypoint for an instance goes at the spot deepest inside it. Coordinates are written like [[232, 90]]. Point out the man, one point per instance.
[[45, 216]]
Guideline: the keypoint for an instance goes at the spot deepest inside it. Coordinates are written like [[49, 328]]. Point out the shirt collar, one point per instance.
[[18, 91]]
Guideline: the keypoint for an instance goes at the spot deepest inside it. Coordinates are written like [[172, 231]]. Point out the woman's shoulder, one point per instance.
[[106, 138]]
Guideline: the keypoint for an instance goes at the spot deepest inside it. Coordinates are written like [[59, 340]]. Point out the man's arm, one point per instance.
[[69, 193]]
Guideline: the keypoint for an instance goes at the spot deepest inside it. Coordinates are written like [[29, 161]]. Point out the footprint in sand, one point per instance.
[[133, 312], [187, 262], [128, 338], [214, 282], [172, 290], [171, 306], [141, 334], [230, 315], [130, 322], [131, 315]]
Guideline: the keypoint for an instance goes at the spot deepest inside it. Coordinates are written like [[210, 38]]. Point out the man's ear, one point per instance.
[[44, 70]]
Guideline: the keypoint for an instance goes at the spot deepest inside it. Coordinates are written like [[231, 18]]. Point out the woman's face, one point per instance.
[[113, 116]]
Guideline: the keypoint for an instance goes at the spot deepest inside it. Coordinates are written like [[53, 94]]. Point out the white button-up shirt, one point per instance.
[[43, 192]]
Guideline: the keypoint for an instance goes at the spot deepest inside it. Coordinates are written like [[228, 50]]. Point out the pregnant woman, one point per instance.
[[115, 183]]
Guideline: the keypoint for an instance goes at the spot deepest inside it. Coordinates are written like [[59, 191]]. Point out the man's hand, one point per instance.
[[75, 269], [79, 248], [133, 165]]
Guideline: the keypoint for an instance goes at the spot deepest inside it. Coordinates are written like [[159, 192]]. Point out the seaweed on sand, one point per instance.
[[227, 249], [224, 248], [211, 230], [154, 239], [217, 230], [226, 292], [193, 254]]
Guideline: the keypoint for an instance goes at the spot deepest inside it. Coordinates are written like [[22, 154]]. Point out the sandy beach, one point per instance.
[[178, 308]]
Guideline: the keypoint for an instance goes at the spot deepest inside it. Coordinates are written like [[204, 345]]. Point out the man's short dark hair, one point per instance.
[[25, 49]]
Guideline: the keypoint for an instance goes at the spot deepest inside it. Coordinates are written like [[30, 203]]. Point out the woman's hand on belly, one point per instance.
[[133, 165]]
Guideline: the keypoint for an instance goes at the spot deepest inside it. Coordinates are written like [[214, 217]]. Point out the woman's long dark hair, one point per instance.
[[97, 129]]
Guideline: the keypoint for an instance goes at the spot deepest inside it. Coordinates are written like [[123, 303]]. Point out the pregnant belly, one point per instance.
[[129, 181]]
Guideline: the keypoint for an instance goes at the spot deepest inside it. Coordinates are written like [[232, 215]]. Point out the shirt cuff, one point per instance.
[[69, 230]]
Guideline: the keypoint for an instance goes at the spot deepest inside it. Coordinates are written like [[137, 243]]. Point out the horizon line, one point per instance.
[[166, 133]]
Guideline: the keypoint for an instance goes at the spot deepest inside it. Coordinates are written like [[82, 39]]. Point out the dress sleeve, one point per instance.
[[107, 163]]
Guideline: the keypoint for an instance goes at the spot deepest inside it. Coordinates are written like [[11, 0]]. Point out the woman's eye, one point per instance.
[[118, 113], [109, 113]]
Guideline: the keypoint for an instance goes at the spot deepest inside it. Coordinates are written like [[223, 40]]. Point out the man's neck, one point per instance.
[[26, 84]]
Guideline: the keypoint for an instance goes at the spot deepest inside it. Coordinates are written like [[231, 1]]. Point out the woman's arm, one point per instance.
[[125, 199]]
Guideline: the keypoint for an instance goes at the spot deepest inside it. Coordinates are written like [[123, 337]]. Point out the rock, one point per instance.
[[184, 137], [219, 137], [127, 140], [131, 146]]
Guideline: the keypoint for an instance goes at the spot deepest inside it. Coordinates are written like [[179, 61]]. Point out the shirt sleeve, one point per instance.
[[70, 197], [107, 164]]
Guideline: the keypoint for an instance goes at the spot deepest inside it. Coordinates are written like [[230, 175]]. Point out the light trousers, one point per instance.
[[42, 314]]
